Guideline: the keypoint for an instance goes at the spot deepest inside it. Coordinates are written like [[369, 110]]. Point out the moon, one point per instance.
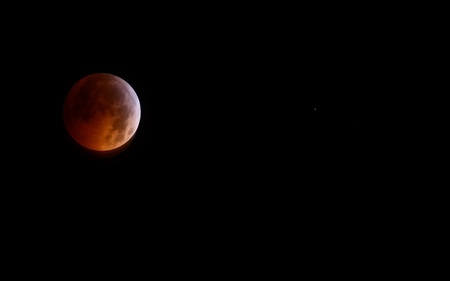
[[102, 112]]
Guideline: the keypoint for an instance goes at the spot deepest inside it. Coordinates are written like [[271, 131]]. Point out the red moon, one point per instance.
[[102, 112]]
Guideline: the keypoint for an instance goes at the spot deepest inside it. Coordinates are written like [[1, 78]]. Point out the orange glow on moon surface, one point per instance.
[[102, 113]]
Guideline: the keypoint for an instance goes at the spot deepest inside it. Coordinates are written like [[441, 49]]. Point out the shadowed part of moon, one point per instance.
[[101, 112]]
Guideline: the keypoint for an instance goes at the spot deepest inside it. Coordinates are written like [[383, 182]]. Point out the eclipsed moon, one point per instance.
[[102, 112]]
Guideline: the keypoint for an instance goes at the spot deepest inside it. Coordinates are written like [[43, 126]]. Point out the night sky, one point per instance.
[[252, 129]]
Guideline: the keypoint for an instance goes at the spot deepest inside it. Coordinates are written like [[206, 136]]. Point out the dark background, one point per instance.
[[259, 126]]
